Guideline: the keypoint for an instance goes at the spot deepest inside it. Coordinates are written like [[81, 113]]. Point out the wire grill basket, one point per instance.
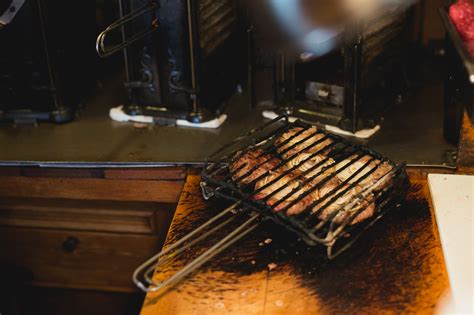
[[313, 183]]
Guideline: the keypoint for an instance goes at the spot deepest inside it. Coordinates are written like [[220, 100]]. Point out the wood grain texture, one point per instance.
[[397, 267], [100, 261], [91, 189], [147, 173], [62, 172], [86, 215], [155, 173]]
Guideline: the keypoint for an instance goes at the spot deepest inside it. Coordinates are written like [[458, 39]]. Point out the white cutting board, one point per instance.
[[453, 203]]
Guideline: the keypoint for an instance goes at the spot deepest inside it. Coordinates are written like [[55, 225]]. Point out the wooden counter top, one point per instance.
[[465, 159], [397, 267]]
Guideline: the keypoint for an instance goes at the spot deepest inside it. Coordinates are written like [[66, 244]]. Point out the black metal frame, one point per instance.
[[43, 81], [218, 181], [288, 92], [181, 85], [285, 86], [352, 73]]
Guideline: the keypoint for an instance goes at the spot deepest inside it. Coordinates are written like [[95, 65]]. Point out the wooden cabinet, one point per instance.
[[91, 189], [80, 215], [84, 229], [77, 259]]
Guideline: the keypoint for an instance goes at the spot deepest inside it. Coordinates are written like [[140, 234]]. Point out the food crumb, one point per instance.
[[271, 266], [219, 305], [253, 262], [260, 244], [279, 303], [268, 241], [243, 293], [140, 125]]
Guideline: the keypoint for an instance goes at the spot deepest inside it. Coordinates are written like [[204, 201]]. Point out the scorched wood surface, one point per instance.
[[397, 267]]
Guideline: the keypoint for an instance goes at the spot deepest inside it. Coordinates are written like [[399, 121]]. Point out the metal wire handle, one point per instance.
[[143, 275], [100, 42]]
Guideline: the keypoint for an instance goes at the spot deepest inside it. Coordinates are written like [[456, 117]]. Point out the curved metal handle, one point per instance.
[[143, 275], [103, 52]]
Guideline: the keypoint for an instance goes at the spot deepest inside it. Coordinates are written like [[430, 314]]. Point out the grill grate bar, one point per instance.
[[306, 181], [271, 151], [224, 160], [343, 192], [331, 217], [361, 197], [256, 191], [318, 185], [248, 134], [283, 162], [287, 172], [353, 192]]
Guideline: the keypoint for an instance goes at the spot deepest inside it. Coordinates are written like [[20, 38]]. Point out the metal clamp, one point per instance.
[[207, 193], [103, 52]]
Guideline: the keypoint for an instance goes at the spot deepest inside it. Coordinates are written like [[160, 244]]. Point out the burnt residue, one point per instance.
[[383, 268]]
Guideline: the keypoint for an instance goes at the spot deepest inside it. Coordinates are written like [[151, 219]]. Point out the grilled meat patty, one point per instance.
[[297, 140], [382, 168], [252, 165], [291, 189], [283, 191], [328, 206], [269, 185], [317, 166]]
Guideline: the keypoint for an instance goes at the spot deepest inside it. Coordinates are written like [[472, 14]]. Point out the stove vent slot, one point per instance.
[[217, 22]]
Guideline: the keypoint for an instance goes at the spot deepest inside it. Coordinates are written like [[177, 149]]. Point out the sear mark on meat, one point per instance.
[[304, 162], [252, 165], [292, 190], [287, 150], [382, 168], [261, 167], [338, 205]]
